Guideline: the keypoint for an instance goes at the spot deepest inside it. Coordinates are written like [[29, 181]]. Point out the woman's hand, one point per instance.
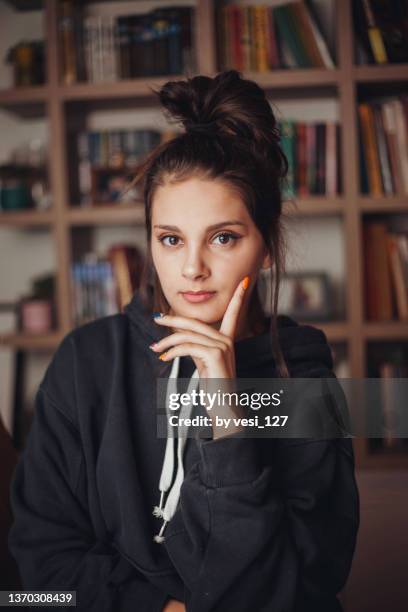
[[213, 354], [173, 605], [212, 350]]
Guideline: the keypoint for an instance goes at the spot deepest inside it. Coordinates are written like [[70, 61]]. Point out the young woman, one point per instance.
[[130, 520]]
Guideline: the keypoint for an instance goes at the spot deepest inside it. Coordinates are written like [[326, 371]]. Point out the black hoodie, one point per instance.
[[261, 524]]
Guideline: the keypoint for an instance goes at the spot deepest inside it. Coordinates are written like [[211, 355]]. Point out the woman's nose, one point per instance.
[[194, 266]]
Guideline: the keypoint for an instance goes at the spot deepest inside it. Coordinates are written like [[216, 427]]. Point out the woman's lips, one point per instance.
[[198, 297]]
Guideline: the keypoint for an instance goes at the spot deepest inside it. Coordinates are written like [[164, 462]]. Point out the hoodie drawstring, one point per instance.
[[167, 511]]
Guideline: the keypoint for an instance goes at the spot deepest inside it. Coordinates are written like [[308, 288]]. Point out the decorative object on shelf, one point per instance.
[[36, 311], [27, 59], [303, 295], [24, 177], [306, 296], [14, 195], [35, 316], [23, 187]]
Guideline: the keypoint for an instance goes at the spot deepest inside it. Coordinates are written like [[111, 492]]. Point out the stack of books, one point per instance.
[[108, 48], [386, 272], [384, 146], [313, 154], [108, 160], [262, 38], [102, 286]]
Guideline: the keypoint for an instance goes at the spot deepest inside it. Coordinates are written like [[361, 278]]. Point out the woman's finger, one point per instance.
[[179, 337], [194, 325], [206, 353], [230, 319]]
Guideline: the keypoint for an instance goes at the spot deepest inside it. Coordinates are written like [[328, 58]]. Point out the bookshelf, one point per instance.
[[54, 101]]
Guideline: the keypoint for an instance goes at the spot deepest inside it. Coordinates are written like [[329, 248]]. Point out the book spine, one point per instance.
[[402, 142], [321, 157], [374, 35], [237, 52], [88, 49], [260, 37], [301, 43], [306, 34], [287, 32], [370, 149], [397, 276], [382, 151], [390, 129], [331, 158], [272, 45], [322, 45], [379, 296], [246, 37], [67, 27], [311, 152]]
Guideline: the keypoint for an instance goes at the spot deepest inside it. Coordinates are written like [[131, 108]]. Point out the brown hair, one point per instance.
[[231, 136]]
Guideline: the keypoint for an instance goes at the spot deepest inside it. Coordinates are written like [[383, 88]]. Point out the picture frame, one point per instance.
[[303, 295]]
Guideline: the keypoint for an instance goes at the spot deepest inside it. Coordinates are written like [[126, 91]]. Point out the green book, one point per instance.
[[287, 31]]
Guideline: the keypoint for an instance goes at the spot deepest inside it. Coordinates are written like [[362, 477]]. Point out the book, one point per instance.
[[370, 149], [398, 275], [377, 273]]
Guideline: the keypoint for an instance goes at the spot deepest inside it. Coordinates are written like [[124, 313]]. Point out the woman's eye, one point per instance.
[[228, 235], [163, 238], [226, 238]]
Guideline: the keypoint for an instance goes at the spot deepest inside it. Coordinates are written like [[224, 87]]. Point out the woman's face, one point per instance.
[[190, 254]]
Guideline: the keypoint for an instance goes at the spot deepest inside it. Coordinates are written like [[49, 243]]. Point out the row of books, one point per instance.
[[263, 38], [386, 272], [103, 285], [107, 160], [381, 30], [383, 128], [108, 48], [313, 153]]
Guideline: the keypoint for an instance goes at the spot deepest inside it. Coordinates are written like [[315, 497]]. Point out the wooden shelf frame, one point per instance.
[[343, 82]]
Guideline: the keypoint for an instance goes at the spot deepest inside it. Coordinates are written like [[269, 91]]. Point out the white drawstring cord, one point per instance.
[[170, 506]]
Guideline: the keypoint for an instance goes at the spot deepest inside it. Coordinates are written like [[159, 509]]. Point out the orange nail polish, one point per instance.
[[163, 356], [245, 282]]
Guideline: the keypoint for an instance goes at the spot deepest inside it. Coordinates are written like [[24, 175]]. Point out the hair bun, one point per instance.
[[234, 106], [184, 101]]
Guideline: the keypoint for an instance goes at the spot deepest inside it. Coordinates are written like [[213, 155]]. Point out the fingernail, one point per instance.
[[153, 346], [245, 282], [163, 356], [157, 314]]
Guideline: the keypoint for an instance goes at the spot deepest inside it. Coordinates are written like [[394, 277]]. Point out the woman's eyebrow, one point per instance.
[[174, 228]]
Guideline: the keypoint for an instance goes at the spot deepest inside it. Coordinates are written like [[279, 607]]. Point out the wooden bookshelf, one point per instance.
[[26, 218], [53, 100], [48, 342]]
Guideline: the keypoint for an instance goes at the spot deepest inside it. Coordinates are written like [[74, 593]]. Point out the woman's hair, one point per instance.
[[231, 135]]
